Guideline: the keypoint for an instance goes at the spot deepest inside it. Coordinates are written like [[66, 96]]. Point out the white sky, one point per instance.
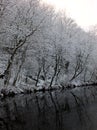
[[84, 12]]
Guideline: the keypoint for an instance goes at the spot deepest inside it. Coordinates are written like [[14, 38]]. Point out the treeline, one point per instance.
[[42, 48]]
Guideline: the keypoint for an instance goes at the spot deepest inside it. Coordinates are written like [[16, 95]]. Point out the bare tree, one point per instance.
[[26, 23], [80, 64]]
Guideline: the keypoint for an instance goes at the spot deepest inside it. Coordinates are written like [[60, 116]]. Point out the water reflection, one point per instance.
[[57, 110]]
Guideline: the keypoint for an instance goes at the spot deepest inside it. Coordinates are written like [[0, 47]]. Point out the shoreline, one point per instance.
[[12, 90]]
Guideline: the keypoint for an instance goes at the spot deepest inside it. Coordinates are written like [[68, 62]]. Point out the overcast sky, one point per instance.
[[84, 12]]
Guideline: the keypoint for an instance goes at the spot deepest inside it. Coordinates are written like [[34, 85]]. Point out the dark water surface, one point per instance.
[[57, 110]]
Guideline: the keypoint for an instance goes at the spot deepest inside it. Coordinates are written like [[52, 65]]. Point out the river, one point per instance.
[[57, 110]]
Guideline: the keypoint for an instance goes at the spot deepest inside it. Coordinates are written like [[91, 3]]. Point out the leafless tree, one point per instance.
[[80, 63], [26, 24]]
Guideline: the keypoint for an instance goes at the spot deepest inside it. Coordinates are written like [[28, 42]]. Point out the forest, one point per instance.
[[43, 49]]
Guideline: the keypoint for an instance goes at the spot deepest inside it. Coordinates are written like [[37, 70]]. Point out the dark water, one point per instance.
[[57, 110]]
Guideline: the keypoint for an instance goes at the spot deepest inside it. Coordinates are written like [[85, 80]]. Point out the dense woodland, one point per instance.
[[41, 47]]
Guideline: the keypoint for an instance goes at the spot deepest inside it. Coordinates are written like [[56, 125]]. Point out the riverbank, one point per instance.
[[11, 91]]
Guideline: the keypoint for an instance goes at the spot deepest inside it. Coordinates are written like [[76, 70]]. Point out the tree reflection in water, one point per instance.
[[57, 110]]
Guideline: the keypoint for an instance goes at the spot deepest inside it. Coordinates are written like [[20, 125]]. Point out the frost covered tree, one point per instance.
[[24, 21], [38, 44]]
